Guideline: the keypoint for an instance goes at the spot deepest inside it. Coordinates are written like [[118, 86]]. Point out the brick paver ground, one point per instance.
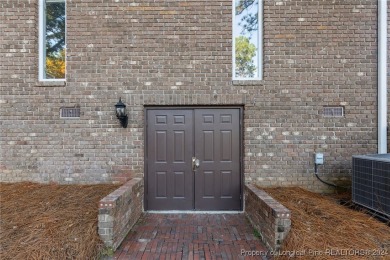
[[191, 236]]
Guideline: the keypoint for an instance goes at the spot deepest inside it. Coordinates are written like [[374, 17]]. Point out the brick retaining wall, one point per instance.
[[119, 211], [268, 216]]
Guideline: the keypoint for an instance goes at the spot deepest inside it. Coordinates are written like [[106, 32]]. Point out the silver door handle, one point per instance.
[[195, 163]]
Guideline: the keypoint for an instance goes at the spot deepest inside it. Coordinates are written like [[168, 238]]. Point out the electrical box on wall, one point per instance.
[[318, 158]]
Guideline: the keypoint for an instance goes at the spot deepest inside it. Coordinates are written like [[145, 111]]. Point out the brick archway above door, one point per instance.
[[193, 159]]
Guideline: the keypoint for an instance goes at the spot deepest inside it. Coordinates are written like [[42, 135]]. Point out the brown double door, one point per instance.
[[193, 159]]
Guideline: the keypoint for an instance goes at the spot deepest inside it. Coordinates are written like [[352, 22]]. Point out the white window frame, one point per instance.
[[260, 47], [42, 40]]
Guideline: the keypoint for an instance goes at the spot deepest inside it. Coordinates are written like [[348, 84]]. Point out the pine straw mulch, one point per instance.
[[319, 224], [51, 221]]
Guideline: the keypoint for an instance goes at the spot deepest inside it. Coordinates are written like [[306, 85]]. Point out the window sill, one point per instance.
[[51, 83], [247, 82]]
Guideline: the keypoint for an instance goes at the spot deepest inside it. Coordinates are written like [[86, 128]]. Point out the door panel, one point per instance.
[[174, 136], [169, 153], [217, 146]]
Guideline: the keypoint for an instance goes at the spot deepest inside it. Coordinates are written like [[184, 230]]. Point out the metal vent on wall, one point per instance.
[[333, 111], [371, 182], [70, 112]]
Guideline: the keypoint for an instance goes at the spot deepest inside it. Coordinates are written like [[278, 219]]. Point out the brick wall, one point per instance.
[[119, 211], [270, 218], [316, 53]]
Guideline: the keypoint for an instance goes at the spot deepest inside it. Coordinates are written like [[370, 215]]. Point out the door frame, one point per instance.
[[178, 107]]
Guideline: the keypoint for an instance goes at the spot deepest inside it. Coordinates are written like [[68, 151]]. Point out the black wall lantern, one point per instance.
[[121, 114]]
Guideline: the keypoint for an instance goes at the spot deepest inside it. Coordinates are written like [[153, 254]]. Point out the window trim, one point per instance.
[[42, 40], [260, 47]]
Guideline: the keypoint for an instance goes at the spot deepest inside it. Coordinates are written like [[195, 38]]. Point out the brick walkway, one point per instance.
[[190, 236]]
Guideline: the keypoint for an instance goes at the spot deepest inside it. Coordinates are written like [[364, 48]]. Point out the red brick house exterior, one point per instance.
[[316, 54]]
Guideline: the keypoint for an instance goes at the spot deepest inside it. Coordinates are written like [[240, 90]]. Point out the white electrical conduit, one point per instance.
[[382, 76]]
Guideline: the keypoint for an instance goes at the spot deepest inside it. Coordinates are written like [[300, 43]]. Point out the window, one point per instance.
[[52, 47], [247, 39]]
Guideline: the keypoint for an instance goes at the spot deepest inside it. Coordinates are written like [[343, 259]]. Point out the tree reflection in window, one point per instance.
[[246, 39], [55, 39]]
